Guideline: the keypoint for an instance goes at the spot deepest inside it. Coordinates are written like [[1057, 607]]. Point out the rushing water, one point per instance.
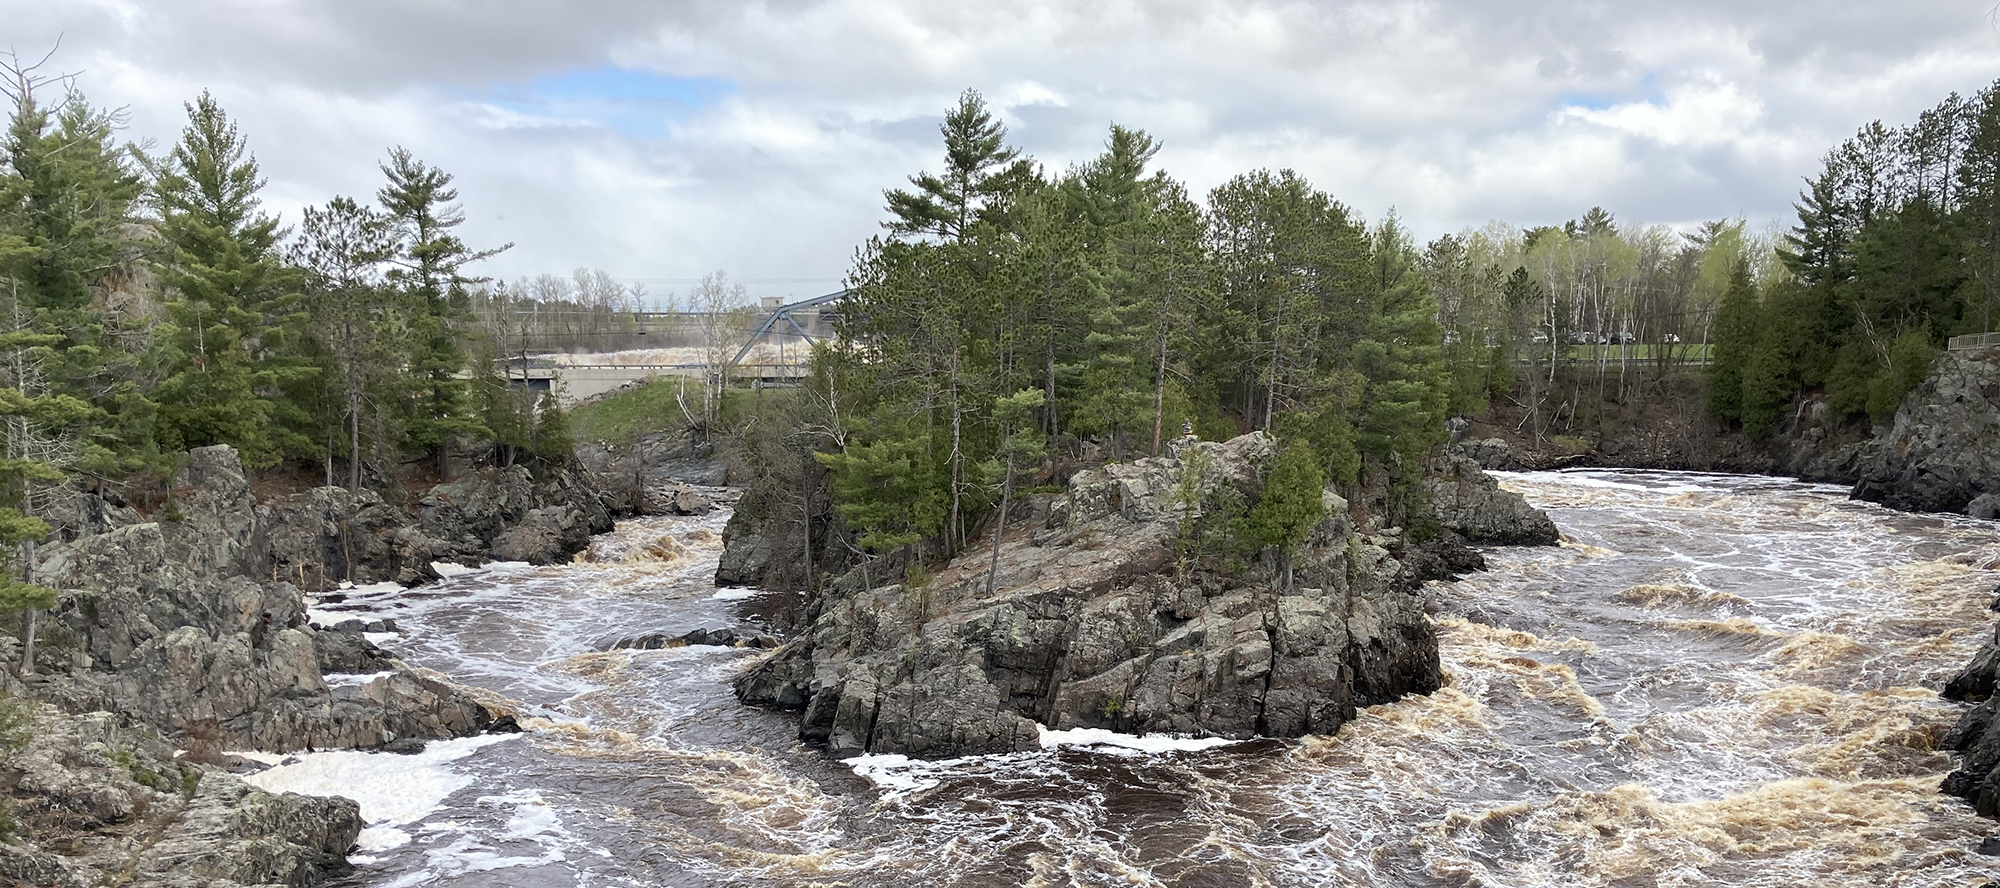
[[1716, 680]]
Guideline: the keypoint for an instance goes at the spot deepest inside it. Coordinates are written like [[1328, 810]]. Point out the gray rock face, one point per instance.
[[122, 809], [1942, 451], [1489, 453], [330, 534], [1467, 500], [174, 624], [746, 551], [1100, 618]]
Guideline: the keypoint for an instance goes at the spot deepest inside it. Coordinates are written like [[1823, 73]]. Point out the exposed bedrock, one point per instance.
[[1467, 500], [119, 808], [329, 535], [1102, 617], [1942, 451], [176, 624]]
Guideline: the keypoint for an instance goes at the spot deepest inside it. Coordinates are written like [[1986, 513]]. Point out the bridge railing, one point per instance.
[[1974, 340]]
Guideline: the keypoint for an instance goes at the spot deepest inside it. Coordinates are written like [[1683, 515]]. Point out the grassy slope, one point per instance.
[[631, 413]]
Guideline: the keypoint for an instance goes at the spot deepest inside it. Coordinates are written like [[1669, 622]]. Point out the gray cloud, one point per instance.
[[1454, 113]]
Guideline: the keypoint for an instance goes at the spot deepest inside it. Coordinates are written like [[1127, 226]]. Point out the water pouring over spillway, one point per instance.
[[1716, 680]]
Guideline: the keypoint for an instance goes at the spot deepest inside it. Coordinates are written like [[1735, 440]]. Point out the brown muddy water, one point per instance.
[[1716, 680]]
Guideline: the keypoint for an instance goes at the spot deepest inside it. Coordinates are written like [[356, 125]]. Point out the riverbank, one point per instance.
[[1717, 680]]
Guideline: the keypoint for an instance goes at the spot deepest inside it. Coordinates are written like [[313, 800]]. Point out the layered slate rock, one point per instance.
[[1974, 738], [177, 625], [329, 535], [1465, 499], [119, 807], [1941, 453], [1100, 617]]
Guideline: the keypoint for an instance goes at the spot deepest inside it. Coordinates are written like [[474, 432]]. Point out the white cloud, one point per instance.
[[1453, 112]]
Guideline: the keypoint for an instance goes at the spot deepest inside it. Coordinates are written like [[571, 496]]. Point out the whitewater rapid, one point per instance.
[[1716, 680]]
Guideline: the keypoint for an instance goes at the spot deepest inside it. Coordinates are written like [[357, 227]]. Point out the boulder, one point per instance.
[[1488, 453], [747, 551], [1985, 507], [1466, 500], [687, 501], [1105, 617], [330, 535], [544, 536], [82, 784]]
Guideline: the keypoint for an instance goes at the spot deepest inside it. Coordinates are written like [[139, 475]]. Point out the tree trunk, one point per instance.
[[1000, 530], [805, 507], [353, 440], [953, 531], [28, 642], [1160, 373]]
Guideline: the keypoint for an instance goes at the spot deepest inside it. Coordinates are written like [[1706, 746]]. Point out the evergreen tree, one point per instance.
[[67, 191], [1020, 444], [357, 324], [980, 172], [1290, 506], [430, 273], [1400, 354], [1736, 331], [234, 303]]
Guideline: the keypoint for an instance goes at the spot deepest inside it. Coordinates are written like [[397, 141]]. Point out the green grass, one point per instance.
[[629, 414], [652, 408]]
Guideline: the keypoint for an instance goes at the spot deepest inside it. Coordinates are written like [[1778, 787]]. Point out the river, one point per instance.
[[1716, 680]]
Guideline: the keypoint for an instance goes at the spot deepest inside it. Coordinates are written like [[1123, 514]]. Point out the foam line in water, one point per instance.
[[393, 790], [1113, 742]]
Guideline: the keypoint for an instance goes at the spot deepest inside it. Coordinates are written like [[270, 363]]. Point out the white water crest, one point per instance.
[[1715, 680]]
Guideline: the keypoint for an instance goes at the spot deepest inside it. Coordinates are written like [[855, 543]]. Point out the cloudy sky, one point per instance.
[[662, 140]]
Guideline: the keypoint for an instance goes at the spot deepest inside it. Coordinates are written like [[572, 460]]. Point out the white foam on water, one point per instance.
[[470, 855], [353, 679], [381, 638], [411, 880], [393, 790], [1101, 740], [735, 594], [449, 569], [893, 772]]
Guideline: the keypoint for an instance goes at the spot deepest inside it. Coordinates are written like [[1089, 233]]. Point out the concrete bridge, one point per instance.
[[776, 351]]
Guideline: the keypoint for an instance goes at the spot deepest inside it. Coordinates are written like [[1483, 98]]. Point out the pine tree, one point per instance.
[[1020, 444], [1289, 507], [342, 248], [233, 301], [1400, 354], [1736, 330], [67, 190], [422, 205], [980, 172]]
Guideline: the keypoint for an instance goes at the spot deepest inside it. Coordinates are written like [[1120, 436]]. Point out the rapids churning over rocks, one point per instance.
[[1716, 680]]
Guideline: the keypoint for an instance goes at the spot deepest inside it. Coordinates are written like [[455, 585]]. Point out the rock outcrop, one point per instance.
[[1104, 613], [1467, 500], [121, 808], [1975, 737], [1942, 450], [330, 535], [173, 633], [172, 624]]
